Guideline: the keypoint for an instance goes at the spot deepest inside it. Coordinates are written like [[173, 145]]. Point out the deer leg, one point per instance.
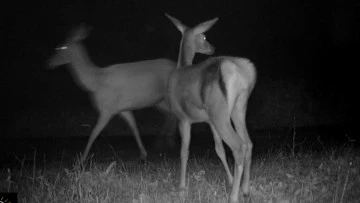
[[219, 148], [185, 128], [223, 127], [129, 118], [238, 117], [169, 127], [103, 119]]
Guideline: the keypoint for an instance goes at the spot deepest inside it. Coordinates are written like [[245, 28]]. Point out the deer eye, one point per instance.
[[61, 48]]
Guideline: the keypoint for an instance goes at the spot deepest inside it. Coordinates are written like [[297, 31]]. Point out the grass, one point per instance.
[[328, 176]]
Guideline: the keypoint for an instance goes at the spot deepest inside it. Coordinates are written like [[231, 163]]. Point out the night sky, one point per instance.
[[302, 49]]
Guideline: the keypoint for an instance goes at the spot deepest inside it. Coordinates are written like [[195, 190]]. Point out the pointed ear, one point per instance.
[[181, 27], [81, 32], [205, 26]]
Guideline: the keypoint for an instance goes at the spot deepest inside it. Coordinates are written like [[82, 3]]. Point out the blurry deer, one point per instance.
[[116, 89]]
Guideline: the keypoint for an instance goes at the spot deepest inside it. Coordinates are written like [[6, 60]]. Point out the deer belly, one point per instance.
[[185, 109], [135, 98]]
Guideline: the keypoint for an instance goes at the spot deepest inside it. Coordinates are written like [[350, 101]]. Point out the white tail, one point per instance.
[[215, 91], [116, 89]]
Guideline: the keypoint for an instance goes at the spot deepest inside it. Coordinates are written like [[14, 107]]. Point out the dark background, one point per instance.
[[305, 53]]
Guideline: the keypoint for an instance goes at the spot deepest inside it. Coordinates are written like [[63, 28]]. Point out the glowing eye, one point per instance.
[[61, 48]]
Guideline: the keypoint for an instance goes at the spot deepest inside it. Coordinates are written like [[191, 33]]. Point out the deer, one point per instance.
[[116, 89], [215, 91]]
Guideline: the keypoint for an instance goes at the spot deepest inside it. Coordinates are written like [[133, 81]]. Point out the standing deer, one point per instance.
[[116, 89], [215, 91]]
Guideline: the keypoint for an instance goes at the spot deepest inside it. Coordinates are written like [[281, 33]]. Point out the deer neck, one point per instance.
[[82, 68], [186, 55]]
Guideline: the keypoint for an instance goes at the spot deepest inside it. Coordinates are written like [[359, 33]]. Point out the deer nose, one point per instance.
[[211, 51]]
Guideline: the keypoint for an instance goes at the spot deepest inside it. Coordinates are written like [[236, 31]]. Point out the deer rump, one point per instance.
[[211, 81]]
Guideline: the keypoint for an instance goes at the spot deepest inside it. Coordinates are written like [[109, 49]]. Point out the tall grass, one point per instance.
[[279, 176]]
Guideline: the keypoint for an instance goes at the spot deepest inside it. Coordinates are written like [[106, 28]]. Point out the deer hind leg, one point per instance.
[[238, 118], [102, 121], [219, 148], [129, 118], [223, 126]]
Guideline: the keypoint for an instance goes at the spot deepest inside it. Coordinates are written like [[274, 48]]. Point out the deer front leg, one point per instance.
[[103, 119], [184, 128]]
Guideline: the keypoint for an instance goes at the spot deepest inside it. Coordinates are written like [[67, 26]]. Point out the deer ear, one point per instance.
[[81, 32], [87, 29], [181, 27], [205, 26]]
